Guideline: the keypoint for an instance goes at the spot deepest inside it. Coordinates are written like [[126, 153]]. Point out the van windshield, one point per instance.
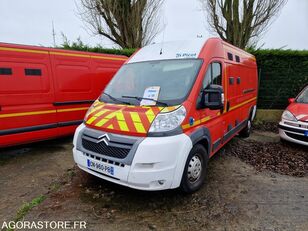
[[303, 97], [172, 79]]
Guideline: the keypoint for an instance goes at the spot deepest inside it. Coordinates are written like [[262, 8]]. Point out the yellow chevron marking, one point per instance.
[[123, 125], [100, 112], [110, 126], [169, 109], [135, 117], [101, 122], [137, 122], [120, 116], [89, 121], [139, 127], [150, 114]]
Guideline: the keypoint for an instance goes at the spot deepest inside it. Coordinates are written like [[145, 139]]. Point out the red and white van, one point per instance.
[[45, 93], [166, 112], [294, 120]]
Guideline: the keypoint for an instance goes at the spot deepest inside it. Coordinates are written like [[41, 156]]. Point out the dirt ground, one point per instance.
[[237, 196]]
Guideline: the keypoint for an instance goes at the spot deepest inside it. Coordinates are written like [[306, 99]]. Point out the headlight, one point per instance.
[[287, 115], [168, 121]]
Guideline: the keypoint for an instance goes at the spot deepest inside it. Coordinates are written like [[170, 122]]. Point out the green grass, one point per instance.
[[26, 207], [268, 115]]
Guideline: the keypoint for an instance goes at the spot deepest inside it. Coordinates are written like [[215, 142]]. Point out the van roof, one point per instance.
[[56, 51], [169, 50], [190, 49]]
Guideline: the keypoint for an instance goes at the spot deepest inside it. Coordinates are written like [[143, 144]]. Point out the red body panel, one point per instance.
[[44, 93]]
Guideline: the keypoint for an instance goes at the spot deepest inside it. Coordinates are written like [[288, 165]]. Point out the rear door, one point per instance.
[[27, 112]]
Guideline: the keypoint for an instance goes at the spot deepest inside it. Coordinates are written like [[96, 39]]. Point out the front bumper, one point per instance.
[[294, 132], [157, 164]]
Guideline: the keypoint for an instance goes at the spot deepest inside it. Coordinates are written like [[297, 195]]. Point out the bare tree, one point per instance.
[[128, 23], [241, 22]]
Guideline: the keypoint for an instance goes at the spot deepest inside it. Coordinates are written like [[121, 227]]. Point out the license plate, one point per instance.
[[97, 166], [306, 133]]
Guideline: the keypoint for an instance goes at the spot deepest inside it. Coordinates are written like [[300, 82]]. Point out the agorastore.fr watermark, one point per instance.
[[43, 225]]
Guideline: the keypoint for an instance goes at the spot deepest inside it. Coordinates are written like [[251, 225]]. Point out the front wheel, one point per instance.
[[195, 169]]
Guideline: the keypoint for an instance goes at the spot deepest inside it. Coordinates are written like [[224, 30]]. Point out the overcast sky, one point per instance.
[[30, 22]]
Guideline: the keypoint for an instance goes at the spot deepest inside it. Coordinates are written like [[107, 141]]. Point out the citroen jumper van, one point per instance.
[[168, 109]]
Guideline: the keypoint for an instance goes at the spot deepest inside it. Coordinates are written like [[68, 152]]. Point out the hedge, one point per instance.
[[282, 73], [80, 46]]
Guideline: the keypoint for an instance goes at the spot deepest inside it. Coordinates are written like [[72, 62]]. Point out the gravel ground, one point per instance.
[[246, 189], [283, 158], [266, 126]]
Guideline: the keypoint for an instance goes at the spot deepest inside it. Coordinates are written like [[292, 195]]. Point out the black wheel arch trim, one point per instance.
[[200, 134]]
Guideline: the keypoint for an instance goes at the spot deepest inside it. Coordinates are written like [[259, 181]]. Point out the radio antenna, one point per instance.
[[53, 34], [162, 44]]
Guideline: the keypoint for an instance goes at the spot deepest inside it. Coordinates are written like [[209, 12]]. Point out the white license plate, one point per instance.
[[99, 167]]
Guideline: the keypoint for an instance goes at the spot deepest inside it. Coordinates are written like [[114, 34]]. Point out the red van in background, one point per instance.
[[293, 126], [44, 93]]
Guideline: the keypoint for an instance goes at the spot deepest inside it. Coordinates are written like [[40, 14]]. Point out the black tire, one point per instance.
[[191, 179], [245, 132]]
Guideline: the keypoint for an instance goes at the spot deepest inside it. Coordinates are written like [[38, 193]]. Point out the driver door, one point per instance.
[[212, 119]]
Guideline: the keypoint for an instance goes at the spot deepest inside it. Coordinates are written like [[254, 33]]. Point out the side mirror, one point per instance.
[[213, 98], [291, 100]]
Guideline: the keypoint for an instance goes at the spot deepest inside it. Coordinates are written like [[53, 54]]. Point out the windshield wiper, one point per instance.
[[141, 98], [115, 99]]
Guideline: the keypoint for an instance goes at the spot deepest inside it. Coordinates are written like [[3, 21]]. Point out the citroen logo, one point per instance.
[[104, 138]]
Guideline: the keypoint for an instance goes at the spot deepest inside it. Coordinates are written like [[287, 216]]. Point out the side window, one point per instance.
[[208, 77], [5, 71], [213, 75], [217, 76], [33, 72]]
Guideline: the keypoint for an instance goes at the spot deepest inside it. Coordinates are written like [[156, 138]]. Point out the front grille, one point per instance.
[[104, 149], [96, 157], [297, 137]]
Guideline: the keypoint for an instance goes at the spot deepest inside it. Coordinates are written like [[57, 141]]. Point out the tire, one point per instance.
[[195, 169], [245, 132]]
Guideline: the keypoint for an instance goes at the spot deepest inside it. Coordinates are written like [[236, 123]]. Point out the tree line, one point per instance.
[[135, 23]]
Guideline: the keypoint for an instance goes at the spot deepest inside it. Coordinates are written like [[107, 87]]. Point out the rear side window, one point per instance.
[[33, 72], [6, 71]]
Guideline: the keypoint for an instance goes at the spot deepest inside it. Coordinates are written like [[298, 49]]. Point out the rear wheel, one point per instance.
[[195, 169], [246, 130]]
